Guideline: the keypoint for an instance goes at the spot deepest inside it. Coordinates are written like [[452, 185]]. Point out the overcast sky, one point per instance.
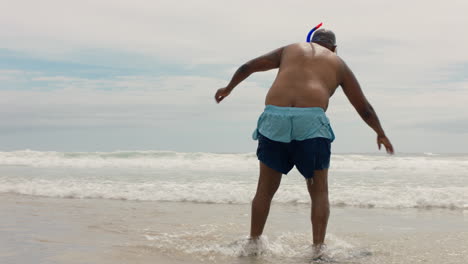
[[107, 75]]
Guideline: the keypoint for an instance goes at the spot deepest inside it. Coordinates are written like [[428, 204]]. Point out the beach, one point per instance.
[[52, 230], [146, 208], [129, 131]]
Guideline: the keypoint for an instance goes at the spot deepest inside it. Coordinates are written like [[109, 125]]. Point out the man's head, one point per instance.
[[325, 38]]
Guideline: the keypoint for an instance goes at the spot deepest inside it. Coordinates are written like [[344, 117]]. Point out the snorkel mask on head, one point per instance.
[[320, 39], [312, 31]]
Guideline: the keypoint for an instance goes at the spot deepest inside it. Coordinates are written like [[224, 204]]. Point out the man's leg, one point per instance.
[[268, 182], [320, 210]]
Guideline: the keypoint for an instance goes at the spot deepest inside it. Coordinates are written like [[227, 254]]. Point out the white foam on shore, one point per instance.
[[358, 180], [241, 193], [208, 245]]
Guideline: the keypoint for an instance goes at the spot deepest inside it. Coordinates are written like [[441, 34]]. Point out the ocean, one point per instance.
[[173, 207]]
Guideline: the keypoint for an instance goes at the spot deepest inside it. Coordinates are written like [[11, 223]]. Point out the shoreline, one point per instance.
[[56, 230]]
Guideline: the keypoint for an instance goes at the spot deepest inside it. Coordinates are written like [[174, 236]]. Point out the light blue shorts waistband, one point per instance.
[[284, 124], [286, 110]]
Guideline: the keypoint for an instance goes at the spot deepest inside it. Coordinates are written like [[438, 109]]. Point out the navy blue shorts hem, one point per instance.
[[307, 155], [272, 166]]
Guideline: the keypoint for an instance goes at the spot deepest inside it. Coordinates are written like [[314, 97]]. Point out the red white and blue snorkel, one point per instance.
[[312, 31]]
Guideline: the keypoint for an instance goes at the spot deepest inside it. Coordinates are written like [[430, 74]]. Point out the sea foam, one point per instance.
[[357, 180]]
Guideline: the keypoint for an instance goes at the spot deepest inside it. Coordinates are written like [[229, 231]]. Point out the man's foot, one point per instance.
[[255, 246], [319, 251]]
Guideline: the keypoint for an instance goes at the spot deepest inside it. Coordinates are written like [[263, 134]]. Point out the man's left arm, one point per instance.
[[271, 60]]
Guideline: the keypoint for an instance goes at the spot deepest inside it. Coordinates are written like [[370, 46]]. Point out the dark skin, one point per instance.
[[308, 75], [349, 84], [353, 91], [266, 62]]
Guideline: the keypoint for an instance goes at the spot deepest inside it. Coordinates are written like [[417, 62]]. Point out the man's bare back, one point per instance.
[[307, 77]]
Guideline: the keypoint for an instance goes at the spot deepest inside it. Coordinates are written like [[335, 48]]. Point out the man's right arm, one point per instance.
[[271, 60], [353, 91]]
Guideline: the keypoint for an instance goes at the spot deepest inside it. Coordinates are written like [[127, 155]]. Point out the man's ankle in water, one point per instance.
[[318, 249], [254, 238]]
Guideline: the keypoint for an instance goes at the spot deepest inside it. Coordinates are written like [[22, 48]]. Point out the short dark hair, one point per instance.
[[324, 36]]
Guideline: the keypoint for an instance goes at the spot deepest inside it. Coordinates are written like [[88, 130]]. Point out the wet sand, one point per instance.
[[53, 230]]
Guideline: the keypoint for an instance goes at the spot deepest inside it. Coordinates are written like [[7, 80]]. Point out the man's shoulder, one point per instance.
[[296, 45], [296, 48]]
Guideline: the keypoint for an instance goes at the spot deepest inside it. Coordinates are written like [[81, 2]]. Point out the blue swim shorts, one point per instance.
[[289, 136]]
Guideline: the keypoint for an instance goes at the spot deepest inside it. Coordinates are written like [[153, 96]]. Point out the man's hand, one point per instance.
[[221, 94], [386, 142]]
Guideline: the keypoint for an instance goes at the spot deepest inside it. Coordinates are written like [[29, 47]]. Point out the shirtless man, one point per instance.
[[294, 130]]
